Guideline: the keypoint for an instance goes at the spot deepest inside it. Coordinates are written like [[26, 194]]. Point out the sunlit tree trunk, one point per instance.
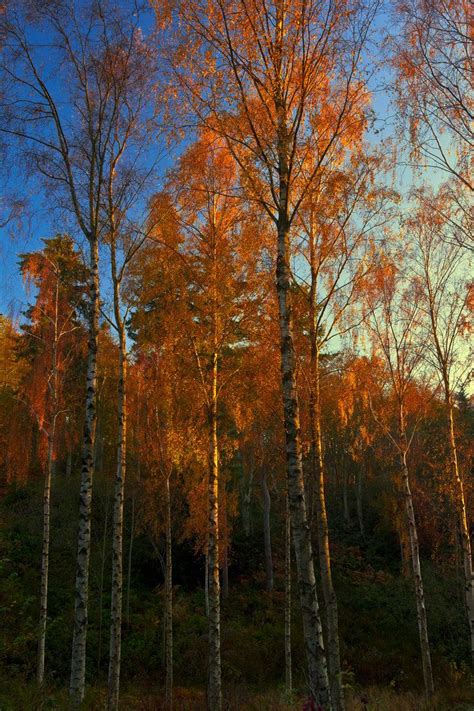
[[267, 534], [78, 662], [415, 561], [214, 682]]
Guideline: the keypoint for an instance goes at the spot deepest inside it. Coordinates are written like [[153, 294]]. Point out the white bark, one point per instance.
[[78, 661]]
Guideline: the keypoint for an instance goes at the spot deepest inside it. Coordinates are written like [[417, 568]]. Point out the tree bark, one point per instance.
[[463, 522], [78, 661], [267, 534], [45, 559], [314, 646], [318, 480], [329, 594], [415, 560], [214, 699], [101, 583], [419, 592], [53, 390], [116, 603]]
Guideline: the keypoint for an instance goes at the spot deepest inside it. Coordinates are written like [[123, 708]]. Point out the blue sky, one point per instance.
[[42, 221]]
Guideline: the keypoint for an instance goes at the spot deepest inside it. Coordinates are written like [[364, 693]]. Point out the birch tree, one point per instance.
[[395, 324], [447, 300], [67, 134], [259, 75], [50, 344], [337, 223]]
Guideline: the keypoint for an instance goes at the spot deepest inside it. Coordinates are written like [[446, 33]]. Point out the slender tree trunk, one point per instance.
[[214, 682], [45, 558], [53, 393], [81, 602], [317, 670], [101, 584], [329, 594], [169, 602], [130, 553], [405, 550], [463, 523], [267, 534], [288, 666], [419, 592], [117, 533]]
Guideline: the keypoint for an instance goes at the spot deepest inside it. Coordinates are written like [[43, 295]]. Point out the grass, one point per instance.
[[18, 696]]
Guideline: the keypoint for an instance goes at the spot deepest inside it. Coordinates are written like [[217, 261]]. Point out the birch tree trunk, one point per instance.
[[214, 683], [45, 559], [130, 554], [314, 646], [330, 600], [288, 666], [53, 390], [78, 661], [117, 532], [463, 522], [101, 584], [267, 534], [169, 602], [419, 591]]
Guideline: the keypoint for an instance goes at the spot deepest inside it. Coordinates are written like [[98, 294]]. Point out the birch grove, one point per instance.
[[236, 317]]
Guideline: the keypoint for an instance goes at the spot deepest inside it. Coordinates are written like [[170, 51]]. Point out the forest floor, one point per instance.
[[15, 696]]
